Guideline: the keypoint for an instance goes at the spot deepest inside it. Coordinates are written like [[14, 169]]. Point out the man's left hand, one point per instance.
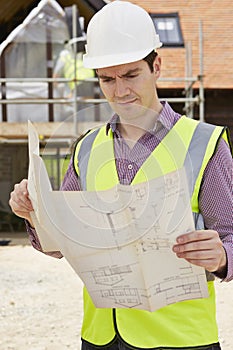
[[202, 248]]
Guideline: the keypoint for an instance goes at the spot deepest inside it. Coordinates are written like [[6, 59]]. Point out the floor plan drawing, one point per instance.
[[123, 297], [110, 276]]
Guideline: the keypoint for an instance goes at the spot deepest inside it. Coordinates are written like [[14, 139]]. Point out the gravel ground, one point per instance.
[[41, 302]]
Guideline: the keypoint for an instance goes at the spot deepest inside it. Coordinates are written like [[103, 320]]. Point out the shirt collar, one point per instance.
[[165, 119]]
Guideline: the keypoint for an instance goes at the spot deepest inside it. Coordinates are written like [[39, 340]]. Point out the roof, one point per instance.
[[11, 7], [33, 27], [217, 27], [14, 12]]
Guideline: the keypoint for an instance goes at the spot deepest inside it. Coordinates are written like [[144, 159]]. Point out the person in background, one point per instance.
[[70, 67], [122, 46]]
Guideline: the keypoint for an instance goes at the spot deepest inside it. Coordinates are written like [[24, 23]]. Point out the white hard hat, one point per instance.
[[119, 33]]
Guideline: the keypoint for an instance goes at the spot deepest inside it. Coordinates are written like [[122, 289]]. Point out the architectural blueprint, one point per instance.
[[119, 241]]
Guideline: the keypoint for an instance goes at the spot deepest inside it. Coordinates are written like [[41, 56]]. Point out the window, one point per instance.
[[168, 27]]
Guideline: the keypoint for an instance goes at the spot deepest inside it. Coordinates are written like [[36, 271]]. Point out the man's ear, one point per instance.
[[157, 66]]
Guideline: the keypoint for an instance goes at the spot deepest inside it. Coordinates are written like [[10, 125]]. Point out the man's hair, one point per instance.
[[150, 60]]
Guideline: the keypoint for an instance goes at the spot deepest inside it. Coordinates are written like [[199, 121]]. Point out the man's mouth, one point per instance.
[[126, 102]]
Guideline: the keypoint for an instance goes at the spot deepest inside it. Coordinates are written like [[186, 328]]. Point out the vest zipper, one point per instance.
[[114, 321], [118, 336]]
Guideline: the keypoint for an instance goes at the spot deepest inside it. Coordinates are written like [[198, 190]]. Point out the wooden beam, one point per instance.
[[19, 131]]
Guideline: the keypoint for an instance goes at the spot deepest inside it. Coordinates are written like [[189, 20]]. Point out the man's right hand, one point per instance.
[[20, 202]]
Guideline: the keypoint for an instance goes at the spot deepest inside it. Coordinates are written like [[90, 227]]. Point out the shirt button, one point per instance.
[[130, 167]]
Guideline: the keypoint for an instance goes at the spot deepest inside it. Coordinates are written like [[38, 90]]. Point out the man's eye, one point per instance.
[[132, 76], [107, 80]]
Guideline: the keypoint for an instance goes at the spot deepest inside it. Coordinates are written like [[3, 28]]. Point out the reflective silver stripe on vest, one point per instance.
[[193, 162], [196, 153], [83, 157]]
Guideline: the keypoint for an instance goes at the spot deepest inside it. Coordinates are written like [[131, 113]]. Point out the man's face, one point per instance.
[[130, 88]]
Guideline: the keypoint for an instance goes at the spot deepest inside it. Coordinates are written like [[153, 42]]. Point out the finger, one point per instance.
[[21, 189], [209, 264], [19, 210], [198, 245], [20, 200], [17, 204], [197, 236], [22, 186], [209, 259], [200, 254]]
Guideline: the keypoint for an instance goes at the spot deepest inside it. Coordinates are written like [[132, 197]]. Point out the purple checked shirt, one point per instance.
[[215, 201]]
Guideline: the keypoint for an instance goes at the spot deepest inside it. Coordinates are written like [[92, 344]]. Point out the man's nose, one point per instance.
[[121, 87]]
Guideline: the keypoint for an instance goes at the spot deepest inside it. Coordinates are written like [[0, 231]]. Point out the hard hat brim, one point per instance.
[[115, 59]]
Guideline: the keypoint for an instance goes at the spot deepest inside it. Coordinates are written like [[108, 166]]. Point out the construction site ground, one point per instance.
[[41, 300]]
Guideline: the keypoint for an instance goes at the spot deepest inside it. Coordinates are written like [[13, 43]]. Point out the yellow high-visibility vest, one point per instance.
[[184, 324]]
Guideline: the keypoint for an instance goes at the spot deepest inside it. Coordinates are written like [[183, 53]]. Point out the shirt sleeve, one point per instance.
[[70, 183], [216, 200]]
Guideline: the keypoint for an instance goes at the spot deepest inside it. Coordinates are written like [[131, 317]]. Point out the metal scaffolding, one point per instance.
[[188, 97]]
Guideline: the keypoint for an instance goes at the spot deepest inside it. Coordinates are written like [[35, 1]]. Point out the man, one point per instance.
[[65, 67], [121, 46]]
